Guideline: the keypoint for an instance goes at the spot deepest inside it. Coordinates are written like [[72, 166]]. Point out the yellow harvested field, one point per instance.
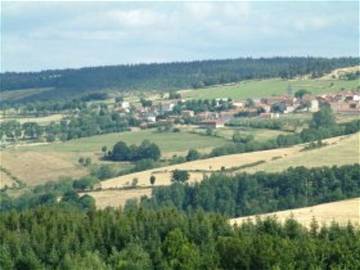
[[336, 74], [341, 212], [5, 180], [197, 168], [117, 198], [35, 168], [39, 120], [339, 151]]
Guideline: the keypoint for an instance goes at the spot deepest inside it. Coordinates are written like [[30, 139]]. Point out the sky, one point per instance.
[[50, 35]]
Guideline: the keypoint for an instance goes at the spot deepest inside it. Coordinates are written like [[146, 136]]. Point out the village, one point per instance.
[[216, 113]]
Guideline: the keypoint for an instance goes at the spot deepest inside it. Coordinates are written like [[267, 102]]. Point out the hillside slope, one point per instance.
[[341, 212], [166, 76]]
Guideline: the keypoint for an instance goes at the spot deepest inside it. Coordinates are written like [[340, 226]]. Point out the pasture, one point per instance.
[[41, 120], [14, 95], [268, 88], [169, 142], [45, 162], [341, 152], [199, 168], [341, 212], [117, 198]]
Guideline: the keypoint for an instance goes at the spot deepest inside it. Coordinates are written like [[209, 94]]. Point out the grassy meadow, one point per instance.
[[345, 151], [269, 87]]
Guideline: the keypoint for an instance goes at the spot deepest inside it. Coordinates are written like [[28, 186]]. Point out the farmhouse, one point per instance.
[[212, 124]]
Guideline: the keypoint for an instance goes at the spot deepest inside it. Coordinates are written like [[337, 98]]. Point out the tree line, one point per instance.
[[168, 76], [84, 124], [50, 237], [247, 194]]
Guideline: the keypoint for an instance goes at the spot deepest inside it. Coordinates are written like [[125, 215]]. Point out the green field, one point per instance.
[[267, 88], [167, 141], [258, 133], [21, 93]]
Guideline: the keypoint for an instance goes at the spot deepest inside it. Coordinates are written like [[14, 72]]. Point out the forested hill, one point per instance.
[[169, 76]]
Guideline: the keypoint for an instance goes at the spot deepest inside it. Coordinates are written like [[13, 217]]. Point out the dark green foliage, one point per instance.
[[301, 93], [326, 130], [246, 194], [87, 182], [180, 176], [72, 82], [67, 238], [193, 154], [85, 124], [146, 150], [202, 105], [239, 138], [323, 118]]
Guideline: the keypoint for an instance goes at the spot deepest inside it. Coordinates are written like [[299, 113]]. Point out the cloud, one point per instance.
[[313, 23], [123, 32]]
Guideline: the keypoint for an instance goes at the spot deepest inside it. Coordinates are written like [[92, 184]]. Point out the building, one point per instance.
[[345, 107], [269, 115], [125, 105], [166, 107], [212, 124], [314, 105], [187, 113]]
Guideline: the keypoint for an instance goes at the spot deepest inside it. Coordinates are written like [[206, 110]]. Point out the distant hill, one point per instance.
[[167, 76]]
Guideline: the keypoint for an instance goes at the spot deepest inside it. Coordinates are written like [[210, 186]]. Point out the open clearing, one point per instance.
[[117, 198], [45, 162], [34, 168], [167, 141], [341, 212], [5, 180], [22, 93], [269, 87], [197, 168], [340, 71], [345, 151], [42, 120], [346, 154]]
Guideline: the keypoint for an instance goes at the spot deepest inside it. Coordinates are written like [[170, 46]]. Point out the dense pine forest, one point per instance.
[[248, 194], [56, 238], [169, 76]]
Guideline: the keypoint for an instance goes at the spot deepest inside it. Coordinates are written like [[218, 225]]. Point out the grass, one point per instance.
[[258, 133], [346, 151], [340, 151], [269, 87], [36, 164], [117, 198], [42, 120], [341, 212], [35, 168], [168, 142], [22, 93]]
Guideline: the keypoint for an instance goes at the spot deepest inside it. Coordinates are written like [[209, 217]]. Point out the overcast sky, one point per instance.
[[48, 35]]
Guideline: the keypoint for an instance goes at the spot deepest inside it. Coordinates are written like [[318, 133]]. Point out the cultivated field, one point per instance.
[[168, 142], [199, 168], [43, 120], [117, 198], [341, 212], [34, 168], [340, 71], [269, 87], [21, 93], [6, 180], [345, 151], [36, 163]]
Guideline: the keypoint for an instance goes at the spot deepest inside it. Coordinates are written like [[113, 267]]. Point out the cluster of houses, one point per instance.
[[268, 108]]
